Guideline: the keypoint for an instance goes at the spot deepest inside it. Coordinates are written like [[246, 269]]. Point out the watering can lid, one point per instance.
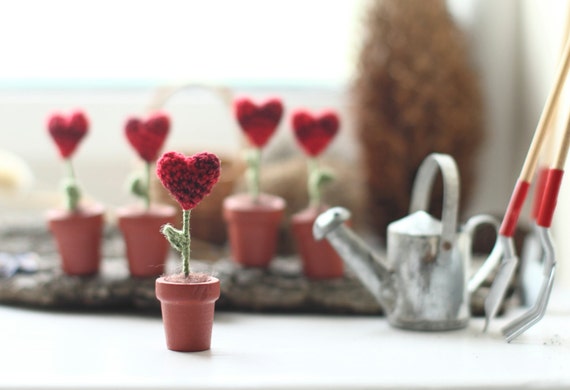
[[419, 223]]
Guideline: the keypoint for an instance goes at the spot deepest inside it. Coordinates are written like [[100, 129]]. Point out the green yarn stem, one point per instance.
[[253, 159], [146, 196], [139, 185], [71, 189], [180, 240], [317, 178], [313, 188], [186, 249]]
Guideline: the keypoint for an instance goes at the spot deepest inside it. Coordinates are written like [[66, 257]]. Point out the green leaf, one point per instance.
[[72, 193], [175, 237], [137, 186]]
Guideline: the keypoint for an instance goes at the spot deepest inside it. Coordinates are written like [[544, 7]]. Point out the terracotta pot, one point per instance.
[[253, 227], [320, 260], [147, 249], [188, 312], [78, 238]]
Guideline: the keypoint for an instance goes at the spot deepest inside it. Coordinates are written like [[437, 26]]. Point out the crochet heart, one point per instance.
[[147, 137], [68, 131], [314, 133], [188, 179], [258, 122]]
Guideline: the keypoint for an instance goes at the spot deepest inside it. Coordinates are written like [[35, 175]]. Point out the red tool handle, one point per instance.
[[516, 203], [549, 197]]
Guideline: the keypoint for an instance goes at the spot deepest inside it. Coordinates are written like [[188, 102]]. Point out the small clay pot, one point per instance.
[[253, 227], [188, 312], [147, 249], [319, 259], [78, 238]]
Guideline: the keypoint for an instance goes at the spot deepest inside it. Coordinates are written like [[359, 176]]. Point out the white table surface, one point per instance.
[[252, 351]]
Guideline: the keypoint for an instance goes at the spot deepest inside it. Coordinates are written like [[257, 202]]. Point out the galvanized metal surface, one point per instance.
[[423, 283]]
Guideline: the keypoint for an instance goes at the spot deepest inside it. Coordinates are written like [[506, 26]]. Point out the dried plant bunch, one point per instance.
[[258, 122], [188, 179], [67, 131], [415, 93], [314, 133], [147, 137]]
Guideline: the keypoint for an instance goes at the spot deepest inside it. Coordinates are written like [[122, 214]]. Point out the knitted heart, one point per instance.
[[314, 133], [188, 179], [258, 122], [147, 137], [67, 132]]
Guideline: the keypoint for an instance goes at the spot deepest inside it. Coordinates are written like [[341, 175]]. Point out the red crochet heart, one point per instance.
[[188, 179], [314, 133], [258, 122], [147, 137], [67, 132]]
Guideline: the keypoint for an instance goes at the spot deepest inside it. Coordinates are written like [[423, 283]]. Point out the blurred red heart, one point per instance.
[[314, 133], [188, 179], [258, 122], [68, 131], [147, 137]]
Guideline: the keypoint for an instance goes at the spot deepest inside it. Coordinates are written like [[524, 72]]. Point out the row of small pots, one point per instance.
[[78, 237], [252, 227], [253, 234]]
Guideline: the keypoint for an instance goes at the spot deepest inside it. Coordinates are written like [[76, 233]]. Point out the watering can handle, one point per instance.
[[494, 258], [422, 190]]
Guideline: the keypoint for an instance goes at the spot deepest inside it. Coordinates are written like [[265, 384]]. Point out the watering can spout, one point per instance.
[[373, 273]]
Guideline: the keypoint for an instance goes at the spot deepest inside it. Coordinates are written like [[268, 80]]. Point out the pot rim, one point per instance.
[[136, 210], [84, 211], [211, 280]]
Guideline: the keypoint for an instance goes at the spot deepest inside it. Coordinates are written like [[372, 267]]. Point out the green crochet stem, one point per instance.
[[147, 185], [317, 178], [180, 240], [253, 159], [140, 186], [71, 189]]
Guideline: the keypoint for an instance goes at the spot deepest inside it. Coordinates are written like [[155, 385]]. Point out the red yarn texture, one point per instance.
[[188, 179], [67, 131], [147, 137], [258, 122], [314, 133]]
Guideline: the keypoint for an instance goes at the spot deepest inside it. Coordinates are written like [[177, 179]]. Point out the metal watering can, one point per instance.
[[423, 284]]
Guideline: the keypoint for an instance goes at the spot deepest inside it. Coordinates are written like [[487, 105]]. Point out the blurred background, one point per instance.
[[120, 58]]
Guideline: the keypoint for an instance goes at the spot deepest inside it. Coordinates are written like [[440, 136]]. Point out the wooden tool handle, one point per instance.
[[539, 192], [560, 158], [554, 181], [545, 120]]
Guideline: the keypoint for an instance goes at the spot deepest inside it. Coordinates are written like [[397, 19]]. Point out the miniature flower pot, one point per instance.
[[188, 312], [78, 238], [147, 250], [319, 259], [253, 227]]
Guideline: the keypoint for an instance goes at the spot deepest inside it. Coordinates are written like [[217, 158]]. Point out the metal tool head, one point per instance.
[[502, 280], [536, 312], [531, 264]]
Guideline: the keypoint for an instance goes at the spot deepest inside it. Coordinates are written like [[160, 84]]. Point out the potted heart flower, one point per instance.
[[313, 134], [187, 299], [253, 218], [140, 224], [77, 229]]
